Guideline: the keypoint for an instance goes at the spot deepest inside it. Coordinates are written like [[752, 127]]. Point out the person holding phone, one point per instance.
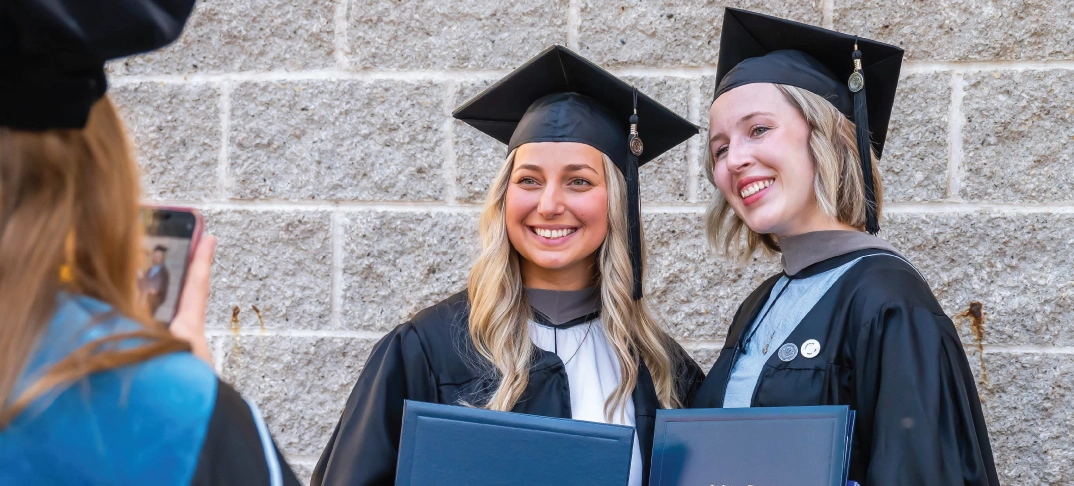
[[92, 390], [849, 321], [553, 321]]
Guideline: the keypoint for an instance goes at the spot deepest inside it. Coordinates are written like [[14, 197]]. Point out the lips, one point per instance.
[[753, 188]]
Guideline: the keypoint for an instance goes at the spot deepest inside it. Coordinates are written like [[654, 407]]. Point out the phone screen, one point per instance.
[[166, 252]]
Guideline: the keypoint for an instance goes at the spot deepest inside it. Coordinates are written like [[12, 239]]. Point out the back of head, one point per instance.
[[69, 190]]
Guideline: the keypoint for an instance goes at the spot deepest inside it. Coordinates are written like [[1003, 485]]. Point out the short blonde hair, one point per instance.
[[838, 183]]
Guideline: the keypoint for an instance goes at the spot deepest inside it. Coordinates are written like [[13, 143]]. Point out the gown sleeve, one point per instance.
[[919, 414], [238, 448], [365, 443]]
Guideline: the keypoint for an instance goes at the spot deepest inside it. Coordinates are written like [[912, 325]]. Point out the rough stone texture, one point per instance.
[[704, 356], [913, 166], [1029, 406], [300, 383], [1018, 136], [694, 291], [452, 35], [277, 261], [963, 30], [1009, 263], [245, 35], [304, 470], [668, 32], [344, 140], [176, 131], [478, 157], [396, 264], [665, 179]]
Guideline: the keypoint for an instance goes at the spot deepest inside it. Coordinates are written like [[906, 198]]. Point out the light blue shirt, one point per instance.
[[778, 318]]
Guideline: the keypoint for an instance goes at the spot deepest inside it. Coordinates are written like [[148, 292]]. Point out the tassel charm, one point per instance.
[[856, 81], [636, 147]]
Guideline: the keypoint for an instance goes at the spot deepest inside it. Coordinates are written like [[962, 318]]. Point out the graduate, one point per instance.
[[92, 389], [849, 321], [553, 321]]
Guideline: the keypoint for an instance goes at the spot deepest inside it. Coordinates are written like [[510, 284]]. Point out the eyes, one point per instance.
[[577, 182], [755, 132]]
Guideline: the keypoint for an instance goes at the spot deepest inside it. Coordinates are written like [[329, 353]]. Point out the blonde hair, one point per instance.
[[69, 199], [499, 312], [838, 183]]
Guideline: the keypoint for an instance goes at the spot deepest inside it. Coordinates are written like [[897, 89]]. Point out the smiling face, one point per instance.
[[762, 162], [556, 210]]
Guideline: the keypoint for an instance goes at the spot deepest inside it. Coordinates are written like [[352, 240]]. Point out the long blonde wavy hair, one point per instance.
[[499, 311], [69, 203], [838, 182]]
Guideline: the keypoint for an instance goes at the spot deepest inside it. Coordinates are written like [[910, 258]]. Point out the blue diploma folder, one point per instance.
[[449, 445], [763, 446]]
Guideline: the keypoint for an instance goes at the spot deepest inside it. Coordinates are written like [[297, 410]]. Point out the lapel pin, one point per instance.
[[811, 348], [788, 352]]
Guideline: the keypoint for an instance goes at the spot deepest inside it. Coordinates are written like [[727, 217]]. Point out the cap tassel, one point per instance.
[[633, 204], [861, 119]]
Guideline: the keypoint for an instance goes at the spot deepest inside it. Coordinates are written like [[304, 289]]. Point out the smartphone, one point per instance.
[[171, 234]]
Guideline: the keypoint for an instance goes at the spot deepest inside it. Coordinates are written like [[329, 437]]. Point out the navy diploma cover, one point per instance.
[[454, 445], [761, 446]]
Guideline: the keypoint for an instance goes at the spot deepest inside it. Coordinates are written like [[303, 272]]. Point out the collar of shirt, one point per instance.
[[806, 249]]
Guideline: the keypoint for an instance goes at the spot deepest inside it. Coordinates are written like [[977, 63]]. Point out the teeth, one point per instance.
[[755, 188], [553, 234]]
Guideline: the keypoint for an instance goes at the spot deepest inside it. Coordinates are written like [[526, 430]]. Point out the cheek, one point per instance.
[[722, 178], [517, 205], [591, 208]]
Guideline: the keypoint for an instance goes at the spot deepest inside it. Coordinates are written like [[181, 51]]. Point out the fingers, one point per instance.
[[196, 290]]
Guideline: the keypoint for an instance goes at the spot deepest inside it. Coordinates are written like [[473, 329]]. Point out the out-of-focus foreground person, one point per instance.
[[92, 391]]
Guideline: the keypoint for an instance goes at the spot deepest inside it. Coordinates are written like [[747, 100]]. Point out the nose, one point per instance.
[[739, 157], [551, 203]]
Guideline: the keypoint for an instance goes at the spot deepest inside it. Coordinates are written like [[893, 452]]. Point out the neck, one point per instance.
[[574, 277], [818, 221]]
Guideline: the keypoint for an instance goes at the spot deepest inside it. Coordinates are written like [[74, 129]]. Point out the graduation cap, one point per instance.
[[560, 96], [52, 53], [757, 48]]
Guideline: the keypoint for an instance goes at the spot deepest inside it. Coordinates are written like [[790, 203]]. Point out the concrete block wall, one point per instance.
[[316, 137]]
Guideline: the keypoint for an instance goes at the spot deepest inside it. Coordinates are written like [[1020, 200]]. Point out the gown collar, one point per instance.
[[564, 308], [807, 249]]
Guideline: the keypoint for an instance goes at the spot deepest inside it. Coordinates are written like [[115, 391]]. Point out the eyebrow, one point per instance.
[[569, 168], [740, 120]]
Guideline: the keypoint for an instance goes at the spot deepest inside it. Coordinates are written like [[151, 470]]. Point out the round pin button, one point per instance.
[[810, 348], [788, 352]]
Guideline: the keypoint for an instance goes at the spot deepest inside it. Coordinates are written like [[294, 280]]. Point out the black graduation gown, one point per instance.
[[431, 359], [889, 352]]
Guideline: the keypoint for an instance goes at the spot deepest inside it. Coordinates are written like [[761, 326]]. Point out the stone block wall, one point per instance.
[[317, 139]]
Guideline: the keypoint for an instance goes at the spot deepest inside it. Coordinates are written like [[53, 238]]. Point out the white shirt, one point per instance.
[[592, 375]]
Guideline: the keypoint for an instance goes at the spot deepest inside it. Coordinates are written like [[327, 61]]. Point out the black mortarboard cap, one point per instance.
[[52, 53], [757, 48], [560, 96]]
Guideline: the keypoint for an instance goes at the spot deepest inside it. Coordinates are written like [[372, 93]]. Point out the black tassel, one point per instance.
[[634, 222], [635, 148], [861, 119]]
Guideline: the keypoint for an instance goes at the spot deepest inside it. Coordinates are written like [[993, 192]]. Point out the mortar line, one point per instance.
[[910, 67], [298, 333], [828, 14], [450, 168], [223, 185], [339, 26], [574, 22], [336, 299], [693, 147], [954, 138], [218, 356], [942, 207]]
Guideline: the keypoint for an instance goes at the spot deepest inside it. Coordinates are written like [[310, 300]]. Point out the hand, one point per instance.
[[189, 321]]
